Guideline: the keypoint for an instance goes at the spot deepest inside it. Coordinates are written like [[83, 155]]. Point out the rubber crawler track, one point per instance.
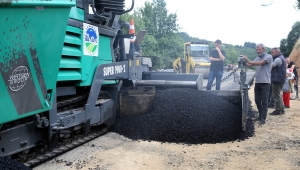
[[63, 149]]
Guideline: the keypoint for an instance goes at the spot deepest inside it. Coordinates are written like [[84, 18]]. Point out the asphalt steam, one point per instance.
[[187, 116]]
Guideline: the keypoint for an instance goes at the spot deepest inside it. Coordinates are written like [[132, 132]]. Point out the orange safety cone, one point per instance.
[[132, 30]]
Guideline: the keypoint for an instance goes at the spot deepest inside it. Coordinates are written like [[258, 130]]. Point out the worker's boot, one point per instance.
[[259, 113], [263, 118], [258, 118], [262, 121]]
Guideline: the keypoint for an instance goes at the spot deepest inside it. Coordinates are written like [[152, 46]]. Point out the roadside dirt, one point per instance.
[[275, 145]]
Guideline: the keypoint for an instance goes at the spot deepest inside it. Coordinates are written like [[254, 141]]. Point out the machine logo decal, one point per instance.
[[90, 40], [18, 78]]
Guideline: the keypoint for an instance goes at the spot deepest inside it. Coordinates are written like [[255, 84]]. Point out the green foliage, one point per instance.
[[293, 36], [283, 47], [149, 45], [138, 21], [146, 13], [249, 52], [249, 45], [163, 29], [231, 54], [286, 45], [298, 4]]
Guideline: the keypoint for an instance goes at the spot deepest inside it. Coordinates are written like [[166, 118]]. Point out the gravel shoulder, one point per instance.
[[275, 145]]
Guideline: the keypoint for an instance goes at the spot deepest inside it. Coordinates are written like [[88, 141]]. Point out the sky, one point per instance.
[[234, 21]]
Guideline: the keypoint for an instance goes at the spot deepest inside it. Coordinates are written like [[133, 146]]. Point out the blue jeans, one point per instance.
[[211, 77]]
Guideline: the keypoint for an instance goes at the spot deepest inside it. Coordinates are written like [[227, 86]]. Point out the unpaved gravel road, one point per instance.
[[275, 145]]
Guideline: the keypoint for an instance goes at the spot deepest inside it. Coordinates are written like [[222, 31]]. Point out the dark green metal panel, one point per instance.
[[105, 52], [72, 39], [90, 63], [77, 13], [69, 75], [69, 63], [85, 71], [32, 34], [74, 65], [71, 51], [35, 3]]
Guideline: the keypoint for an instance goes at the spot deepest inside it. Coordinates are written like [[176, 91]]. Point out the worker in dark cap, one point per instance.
[[216, 57], [218, 41]]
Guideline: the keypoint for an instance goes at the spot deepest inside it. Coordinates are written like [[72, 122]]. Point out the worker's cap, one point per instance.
[[218, 41]]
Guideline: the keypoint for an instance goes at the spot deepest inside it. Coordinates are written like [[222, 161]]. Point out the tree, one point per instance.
[[163, 27], [283, 47], [146, 13], [286, 45], [292, 38], [298, 4], [249, 52], [139, 23], [249, 45], [231, 55], [164, 22]]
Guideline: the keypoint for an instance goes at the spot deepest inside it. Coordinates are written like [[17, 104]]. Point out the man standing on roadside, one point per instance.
[[278, 76], [263, 63], [217, 57]]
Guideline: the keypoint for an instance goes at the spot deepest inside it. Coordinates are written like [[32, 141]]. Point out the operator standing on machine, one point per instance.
[[263, 63], [217, 57]]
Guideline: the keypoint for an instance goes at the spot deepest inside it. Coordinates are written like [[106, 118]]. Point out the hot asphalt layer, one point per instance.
[[187, 116]]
